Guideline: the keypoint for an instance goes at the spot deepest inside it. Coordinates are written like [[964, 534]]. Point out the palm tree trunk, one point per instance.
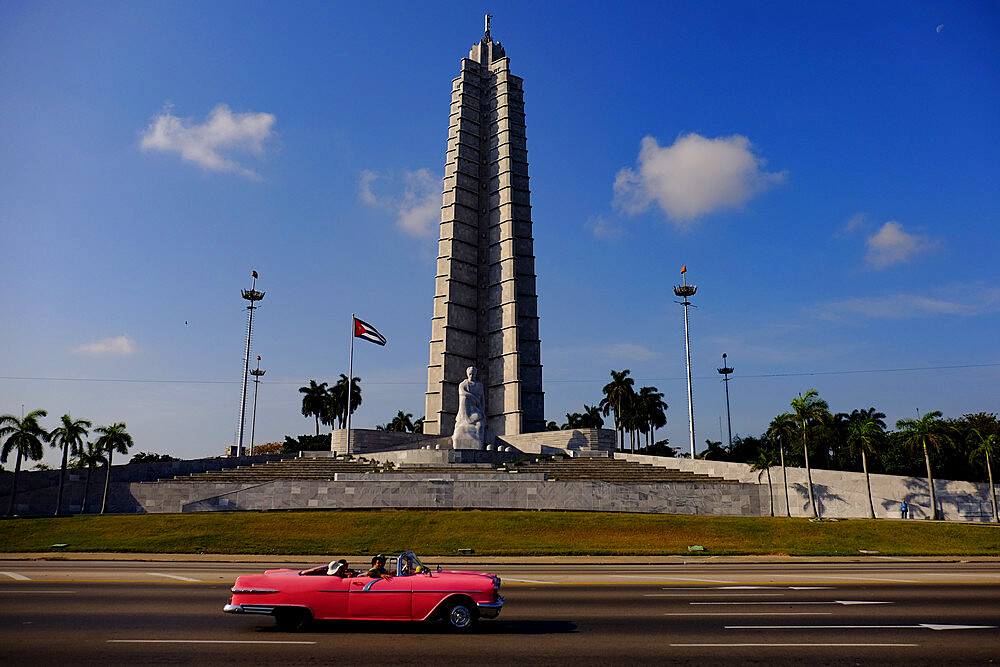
[[770, 489], [107, 478], [868, 483], [993, 491], [86, 489], [930, 484], [62, 478], [317, 423], [809, 477], [13, 488], [784, 479]]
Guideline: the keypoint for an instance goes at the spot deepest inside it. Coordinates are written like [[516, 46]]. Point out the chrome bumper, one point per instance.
[[490, 609], [248, 609]]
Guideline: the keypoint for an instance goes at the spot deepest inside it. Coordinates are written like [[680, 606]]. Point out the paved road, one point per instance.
[[147, 613]]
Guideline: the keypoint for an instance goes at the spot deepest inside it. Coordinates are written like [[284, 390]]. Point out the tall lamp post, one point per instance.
[[257, 374], [725, 371], [684, 291], [253, 296]]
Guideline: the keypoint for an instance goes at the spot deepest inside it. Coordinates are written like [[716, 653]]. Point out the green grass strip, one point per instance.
[[492, 533]]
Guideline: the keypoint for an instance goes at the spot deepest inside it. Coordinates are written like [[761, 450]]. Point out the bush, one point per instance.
[[306, 443]]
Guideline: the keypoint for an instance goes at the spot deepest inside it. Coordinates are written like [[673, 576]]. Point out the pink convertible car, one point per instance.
[[410, 592]]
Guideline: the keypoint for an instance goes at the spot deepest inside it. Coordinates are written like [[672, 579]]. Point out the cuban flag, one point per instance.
[[368, 332]]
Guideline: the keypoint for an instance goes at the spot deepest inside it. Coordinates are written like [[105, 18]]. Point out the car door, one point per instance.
[[379, 599]]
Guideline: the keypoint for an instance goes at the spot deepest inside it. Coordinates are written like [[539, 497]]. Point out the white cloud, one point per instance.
[[204, 143], [957, 300], [603, 228], [417, 207], [856, 221], [693, 177], [893, 245], [120, 346], [622, 352]]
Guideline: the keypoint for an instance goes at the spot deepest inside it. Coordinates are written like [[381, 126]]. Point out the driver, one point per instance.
[[340, 569], [377, 569]]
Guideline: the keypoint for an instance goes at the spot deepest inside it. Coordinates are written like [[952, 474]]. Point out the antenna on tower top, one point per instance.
[[488, 17]]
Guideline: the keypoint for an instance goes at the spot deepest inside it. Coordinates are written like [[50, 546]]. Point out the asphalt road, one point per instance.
[[170, 613]]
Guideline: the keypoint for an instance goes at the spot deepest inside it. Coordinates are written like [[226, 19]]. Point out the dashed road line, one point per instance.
[[172, 576]]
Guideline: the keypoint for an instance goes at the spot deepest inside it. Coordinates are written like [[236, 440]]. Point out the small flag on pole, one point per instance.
[[684, 269], [368, 332]]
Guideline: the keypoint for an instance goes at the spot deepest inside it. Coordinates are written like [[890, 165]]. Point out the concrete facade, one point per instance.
[[485, 304]]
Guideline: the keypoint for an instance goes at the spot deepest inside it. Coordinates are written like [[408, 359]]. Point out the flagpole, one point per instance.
[[350, 376]]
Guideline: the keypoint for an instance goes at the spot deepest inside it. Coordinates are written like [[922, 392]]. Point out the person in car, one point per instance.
[[340, 569], [377, 569]]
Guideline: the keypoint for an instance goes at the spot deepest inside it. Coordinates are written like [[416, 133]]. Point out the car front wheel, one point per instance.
[[461, 615]]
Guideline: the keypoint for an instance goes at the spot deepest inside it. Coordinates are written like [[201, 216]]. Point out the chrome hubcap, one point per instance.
[[460, 616]]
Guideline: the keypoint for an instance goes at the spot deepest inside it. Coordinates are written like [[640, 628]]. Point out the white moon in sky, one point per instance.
[[940, 28]]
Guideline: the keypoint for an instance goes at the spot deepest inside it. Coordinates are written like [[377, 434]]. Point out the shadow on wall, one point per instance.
[[822, 495]]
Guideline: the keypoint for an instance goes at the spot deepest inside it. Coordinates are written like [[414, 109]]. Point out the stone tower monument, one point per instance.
[[485, 305]]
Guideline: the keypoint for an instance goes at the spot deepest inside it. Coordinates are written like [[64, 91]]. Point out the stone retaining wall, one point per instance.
[[842, 494], [732, 499]]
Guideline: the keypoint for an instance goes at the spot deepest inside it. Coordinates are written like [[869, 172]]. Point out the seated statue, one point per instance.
[[470, 422]]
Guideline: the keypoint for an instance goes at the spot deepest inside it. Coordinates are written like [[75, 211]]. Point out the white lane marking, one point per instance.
[[171, 576], [37, 592], [203, 641], [928, 626], [807, 588], [895, 581], [668, 577], [522, 581], [711, 595], [844, 602], [751, 613], [15, 575], [791, 645]]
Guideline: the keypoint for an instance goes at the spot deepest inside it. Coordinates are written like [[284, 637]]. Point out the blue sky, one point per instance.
[[827, 171]]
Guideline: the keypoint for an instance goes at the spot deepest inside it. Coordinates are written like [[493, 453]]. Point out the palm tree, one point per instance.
[[616, 395], [810, 409], [918, 433], [337, 400], [653, 411], [89, 456], [591, 417], [25, 436], [762, 462], [113, 439], [780, 431], [314, 401], [68, 435], [418, 426], [862, 435], [403, 422], [985, 447]]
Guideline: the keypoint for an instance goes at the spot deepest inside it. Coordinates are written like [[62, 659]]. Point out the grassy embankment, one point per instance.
[[491, 533]]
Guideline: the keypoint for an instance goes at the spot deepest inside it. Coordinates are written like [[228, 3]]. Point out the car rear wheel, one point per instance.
[[292, 620], [461, 615]]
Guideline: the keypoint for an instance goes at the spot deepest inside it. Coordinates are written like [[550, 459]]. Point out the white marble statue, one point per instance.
[[470, 422]]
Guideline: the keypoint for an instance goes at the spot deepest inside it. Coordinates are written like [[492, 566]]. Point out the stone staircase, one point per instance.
[[615, 471], [300, 468]]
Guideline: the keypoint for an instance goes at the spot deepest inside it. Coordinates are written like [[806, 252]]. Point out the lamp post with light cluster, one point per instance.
[[253, 296], [257, 373], [725, 371], [684, 291]]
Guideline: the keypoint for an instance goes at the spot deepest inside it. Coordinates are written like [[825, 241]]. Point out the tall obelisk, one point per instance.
[[485, 304]]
